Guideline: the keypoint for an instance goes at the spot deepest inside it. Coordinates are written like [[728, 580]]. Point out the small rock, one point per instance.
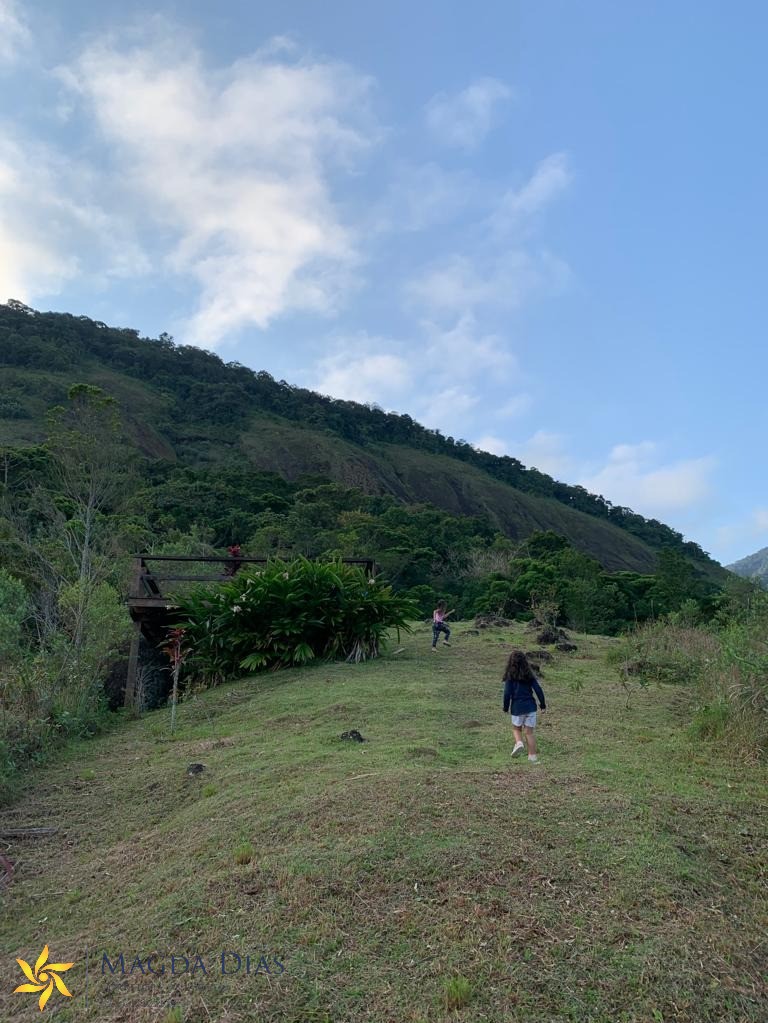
[[543, 656], [194, 769], [352, 736], [483, 621], [566, 648]]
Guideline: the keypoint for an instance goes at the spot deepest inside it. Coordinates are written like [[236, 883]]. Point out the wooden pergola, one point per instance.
[[155, 581]]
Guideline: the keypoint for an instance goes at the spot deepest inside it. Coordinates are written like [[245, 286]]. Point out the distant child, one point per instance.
[[519, 686], [438, 625], [235, 553]]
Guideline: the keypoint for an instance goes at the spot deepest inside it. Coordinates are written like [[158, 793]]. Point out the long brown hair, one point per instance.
[[518, 669]]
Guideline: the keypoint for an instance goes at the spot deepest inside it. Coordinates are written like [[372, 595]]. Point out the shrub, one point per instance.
[[288, 613], [726, 667], [664, 652], [244, 853], [14, 609], [457, 992], [58, 693]]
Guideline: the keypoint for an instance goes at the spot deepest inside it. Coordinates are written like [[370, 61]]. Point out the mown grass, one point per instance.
[[420, 876]]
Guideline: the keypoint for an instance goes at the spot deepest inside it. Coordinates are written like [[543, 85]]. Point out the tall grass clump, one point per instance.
[[53, 691], [724, 663], [288, 613]]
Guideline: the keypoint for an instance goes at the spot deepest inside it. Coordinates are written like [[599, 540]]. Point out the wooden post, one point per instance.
[[133, 667]]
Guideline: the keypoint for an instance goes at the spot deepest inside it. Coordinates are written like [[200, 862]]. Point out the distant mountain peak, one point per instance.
[[754, 566]]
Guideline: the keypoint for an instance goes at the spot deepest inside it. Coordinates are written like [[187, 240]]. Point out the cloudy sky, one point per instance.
[[539, 226]]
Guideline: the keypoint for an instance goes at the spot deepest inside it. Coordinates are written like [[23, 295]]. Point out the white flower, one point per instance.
[[236, 608]]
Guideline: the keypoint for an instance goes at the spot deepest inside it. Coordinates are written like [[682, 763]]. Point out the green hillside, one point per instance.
[[420, 876], [754, 566], [183, 405]]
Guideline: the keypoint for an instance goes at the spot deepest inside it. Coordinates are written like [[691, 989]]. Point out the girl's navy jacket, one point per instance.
[[518, 697]]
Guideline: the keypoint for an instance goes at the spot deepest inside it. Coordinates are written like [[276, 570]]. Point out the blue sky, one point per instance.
[[539, 227]]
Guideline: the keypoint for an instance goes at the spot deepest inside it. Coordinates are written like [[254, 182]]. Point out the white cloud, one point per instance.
[[448, 408], [423, 196], [631, 478], [234, 166], [550, 179], [14, 34], [50, 230], [420, 375], [362, 370], [545, 451], [504, 280], [464, 119], [494, 273], [494, 445], [736, 539], [515, 406], [463, 352]]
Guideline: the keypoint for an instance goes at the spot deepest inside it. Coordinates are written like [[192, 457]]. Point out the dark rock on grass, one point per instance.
[[194, 769], [542, 656], [352, 736], [483, 621], [566, 648], [549, 635]]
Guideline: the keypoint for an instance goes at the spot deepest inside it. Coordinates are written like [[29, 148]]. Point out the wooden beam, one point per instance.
[[129, 699]]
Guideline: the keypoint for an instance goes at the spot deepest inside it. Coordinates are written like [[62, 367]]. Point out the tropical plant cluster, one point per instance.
[[289, 613]]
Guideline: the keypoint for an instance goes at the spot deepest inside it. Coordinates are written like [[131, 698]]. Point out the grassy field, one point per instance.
[[420, 876]]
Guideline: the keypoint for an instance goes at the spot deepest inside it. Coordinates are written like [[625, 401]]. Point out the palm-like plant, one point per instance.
[[289, 613]]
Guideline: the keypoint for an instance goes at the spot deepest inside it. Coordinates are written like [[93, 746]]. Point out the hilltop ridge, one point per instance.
[[753, 566]]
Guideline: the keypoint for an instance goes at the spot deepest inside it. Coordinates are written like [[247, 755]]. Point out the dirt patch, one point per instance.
[[422, 753], [209, 744]]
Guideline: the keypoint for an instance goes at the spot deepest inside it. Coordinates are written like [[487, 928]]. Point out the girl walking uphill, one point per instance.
[[438, 624], [520, 684]]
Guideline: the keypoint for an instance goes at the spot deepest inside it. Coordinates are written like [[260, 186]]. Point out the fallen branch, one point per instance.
[[28, 832], [7, 876]]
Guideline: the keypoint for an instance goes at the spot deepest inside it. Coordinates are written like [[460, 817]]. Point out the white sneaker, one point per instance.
[[518, 747], [532, 758]]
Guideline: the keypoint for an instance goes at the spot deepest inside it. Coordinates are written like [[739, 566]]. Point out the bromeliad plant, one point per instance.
[[289, 613]]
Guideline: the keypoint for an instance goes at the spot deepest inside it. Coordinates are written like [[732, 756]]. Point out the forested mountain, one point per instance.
[[754, 566], [112, 444], [186, 408]]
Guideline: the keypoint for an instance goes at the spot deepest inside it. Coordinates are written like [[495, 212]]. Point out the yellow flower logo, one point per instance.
[[43, 978]]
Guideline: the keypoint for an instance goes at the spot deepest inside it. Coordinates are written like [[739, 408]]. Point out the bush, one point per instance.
[[725, 665], [14, 610], [58, 693], [662, 652], [288, 613]]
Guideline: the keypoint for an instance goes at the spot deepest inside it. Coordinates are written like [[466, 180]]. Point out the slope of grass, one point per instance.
[[420, 876]]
